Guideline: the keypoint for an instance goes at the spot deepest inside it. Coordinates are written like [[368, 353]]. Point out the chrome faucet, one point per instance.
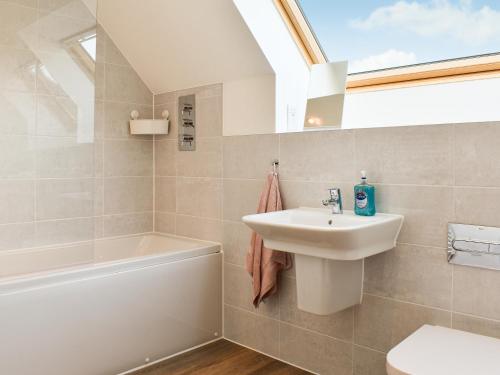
[[335, 201]]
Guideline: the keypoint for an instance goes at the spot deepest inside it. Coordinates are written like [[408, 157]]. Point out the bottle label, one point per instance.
[[361, 199]]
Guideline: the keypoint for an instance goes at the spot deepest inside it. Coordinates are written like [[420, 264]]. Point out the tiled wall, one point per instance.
[[124, 162], [55, 185], [188, 184], [432, 175]]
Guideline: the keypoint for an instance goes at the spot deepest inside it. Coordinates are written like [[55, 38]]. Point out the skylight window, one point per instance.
[[89, 45], [374, 35]]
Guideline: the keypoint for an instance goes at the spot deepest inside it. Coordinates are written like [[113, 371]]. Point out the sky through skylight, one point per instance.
[[378, 34]]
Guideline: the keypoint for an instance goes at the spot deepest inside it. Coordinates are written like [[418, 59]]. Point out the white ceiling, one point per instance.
[[178, 44]]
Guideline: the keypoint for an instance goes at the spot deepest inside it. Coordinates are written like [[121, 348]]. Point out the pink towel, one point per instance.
[[263, 264]]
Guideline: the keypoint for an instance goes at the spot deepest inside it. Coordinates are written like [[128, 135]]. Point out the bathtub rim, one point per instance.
[[34, 280]]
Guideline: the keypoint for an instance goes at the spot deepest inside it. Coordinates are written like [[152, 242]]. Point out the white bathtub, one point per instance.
[[108, 306]]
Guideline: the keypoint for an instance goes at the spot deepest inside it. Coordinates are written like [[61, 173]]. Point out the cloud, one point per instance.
[[437, 18], [387, 59]]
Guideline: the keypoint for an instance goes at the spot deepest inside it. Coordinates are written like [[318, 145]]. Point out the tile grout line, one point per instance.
[[454, 197], [154, 170], [278, 321], [355, 135]]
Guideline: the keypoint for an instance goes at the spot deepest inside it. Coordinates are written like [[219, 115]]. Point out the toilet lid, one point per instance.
[[438, 350]]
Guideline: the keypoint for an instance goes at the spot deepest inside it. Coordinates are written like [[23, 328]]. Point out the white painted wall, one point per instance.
[[179, 44], [456, 102], [292, 72], [249, 105]]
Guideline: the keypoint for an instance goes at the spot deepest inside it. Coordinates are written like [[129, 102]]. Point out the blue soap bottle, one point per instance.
[[364, 197]]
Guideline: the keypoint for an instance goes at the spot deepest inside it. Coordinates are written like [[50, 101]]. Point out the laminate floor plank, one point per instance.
[[221, 358]]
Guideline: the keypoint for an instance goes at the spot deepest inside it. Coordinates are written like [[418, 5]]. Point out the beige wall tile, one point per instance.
[[128, 194], [17, 22], [311, 194], [64, 198], [17, 113], [238, 292], [17, 201], [208, 91], [199, 197], [198, 227], [165, 158], [117, 118], [166, 97], [338, 325], [252, 330], [18, 157], [381, 323], [315, 352], [368, 362], [56, 116], [165, 194], [98, 227], [241, 197], [64, 231], [250, 156], [59, 157], [407, 155], [411, 273], [99, 120], [100, 81], [475, 291], [98, 158], [48, 78], [124, 85], [98, 197], [165, 222], [427, 210], [318, 156], [477, 154], [54, 29], [236, 242], [17, 236], [208, 116], [16, 69], [206, 161], [128, 158], [479, 206], [113, 54], [66, 168], [485, 327], [27, 3], [173, 127], [101, 43], [124, 224]]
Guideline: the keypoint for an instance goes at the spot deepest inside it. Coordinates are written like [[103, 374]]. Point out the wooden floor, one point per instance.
[[221, 358]]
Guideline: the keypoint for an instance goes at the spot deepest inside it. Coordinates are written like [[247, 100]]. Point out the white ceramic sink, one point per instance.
[[329, 251], [317, 232]]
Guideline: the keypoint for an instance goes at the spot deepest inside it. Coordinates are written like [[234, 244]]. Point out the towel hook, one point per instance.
[[276, 164]]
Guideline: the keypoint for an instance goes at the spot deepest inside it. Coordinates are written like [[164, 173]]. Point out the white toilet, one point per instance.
[[434, 350]]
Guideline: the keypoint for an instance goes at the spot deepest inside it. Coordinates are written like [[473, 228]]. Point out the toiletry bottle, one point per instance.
[[364, 197]]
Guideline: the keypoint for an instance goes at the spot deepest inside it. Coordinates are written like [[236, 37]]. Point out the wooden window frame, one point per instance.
[[478, 67], [78, 53]]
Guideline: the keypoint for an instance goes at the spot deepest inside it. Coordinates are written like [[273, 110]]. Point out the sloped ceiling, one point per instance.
[[178, 44]]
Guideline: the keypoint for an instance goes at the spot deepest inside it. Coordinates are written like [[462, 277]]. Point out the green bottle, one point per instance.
[[364, 197]]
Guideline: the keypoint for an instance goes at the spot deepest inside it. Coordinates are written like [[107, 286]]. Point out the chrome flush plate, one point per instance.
[[475, 246]]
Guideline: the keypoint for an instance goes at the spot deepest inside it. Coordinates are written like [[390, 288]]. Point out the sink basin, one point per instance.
[[317, 232], [329, 251]]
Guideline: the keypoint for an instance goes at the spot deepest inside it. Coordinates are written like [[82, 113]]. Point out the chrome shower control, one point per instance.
[[187, 123]]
